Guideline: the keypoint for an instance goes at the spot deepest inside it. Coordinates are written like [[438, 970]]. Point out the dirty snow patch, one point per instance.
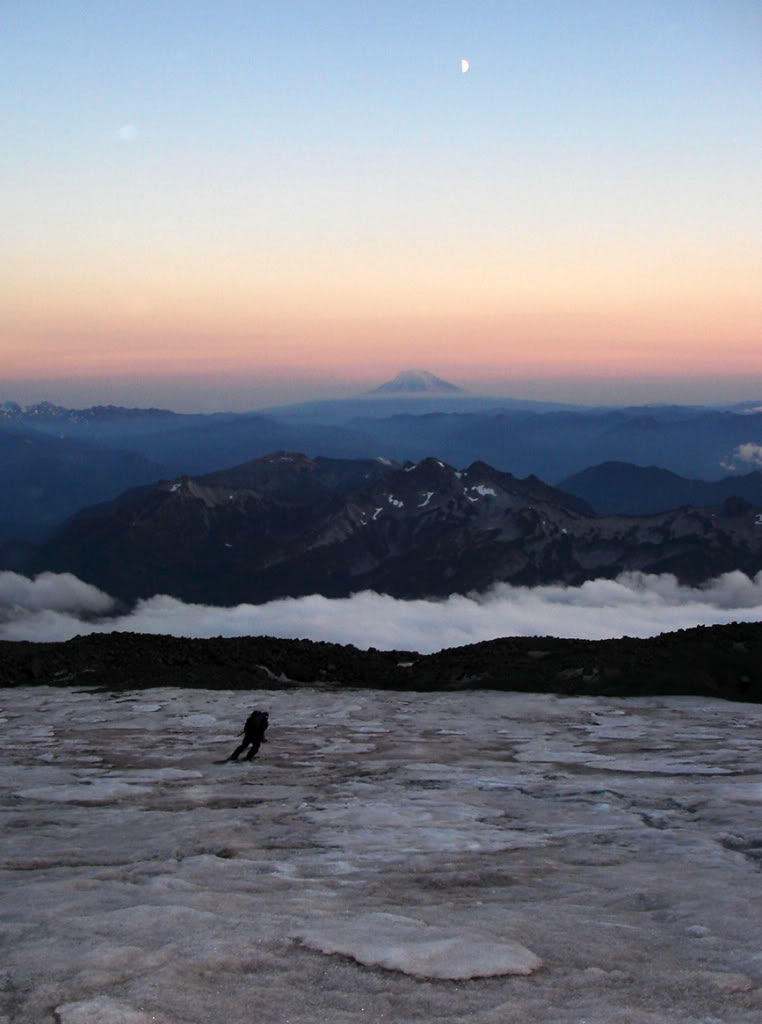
[[97, 791], [423, 951], [103, 1010]]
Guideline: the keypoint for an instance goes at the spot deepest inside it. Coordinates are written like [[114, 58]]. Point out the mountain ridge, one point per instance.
[[722, 661], [49, 411], [622, 488], [288, 525]]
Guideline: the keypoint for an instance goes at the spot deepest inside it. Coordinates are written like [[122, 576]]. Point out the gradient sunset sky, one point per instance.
[[227, 204]]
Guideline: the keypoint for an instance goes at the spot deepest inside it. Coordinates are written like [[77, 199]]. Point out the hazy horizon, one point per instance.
[[211, 393]]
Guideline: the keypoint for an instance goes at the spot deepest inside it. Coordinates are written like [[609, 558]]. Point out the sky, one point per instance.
[[228, 204]]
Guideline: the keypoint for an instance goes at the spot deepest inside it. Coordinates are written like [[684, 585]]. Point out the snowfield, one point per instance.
[[474, 858]]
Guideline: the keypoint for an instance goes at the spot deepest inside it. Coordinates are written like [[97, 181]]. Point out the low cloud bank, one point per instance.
[[58, 607]]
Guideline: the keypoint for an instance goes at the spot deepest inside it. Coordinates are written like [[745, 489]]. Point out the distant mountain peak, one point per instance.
[[417, 382]]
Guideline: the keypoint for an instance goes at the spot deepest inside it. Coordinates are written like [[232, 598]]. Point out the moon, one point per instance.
[[464, 65]]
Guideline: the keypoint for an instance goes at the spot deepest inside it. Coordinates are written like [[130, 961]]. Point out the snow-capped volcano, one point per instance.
[[417, 382]]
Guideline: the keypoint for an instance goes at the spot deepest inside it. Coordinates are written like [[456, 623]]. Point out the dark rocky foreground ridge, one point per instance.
[[713, 661]]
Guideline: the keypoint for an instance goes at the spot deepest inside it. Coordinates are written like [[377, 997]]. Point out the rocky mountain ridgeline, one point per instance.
[[288, 525], [49, 412], [717, 661]]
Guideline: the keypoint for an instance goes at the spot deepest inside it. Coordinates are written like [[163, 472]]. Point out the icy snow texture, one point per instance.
[[103, 1010], [380, 846], [415, 948]]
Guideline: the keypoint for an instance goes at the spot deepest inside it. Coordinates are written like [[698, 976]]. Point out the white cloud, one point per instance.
[[635, 604], [61, 592], [749, 453], [127, 132]]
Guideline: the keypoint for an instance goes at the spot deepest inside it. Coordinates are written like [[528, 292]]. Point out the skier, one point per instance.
[[253, 733]]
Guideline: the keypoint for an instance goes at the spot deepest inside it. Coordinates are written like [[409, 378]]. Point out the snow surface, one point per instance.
[[474, 858], [420, 950]]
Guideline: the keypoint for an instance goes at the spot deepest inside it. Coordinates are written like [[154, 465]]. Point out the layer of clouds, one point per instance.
[[749, 455], [55, 607]]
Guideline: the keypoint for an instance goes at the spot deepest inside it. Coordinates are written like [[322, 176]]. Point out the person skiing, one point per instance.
[[253, 733]]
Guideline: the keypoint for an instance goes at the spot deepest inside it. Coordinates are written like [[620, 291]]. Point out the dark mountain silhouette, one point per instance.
[[209, 443], [557, 444], [714, 661], [287, 525], [521, 438], [46, 412], [46, 479], [621, 488]]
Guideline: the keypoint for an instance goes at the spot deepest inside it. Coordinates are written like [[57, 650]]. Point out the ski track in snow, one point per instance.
[[475, 858]]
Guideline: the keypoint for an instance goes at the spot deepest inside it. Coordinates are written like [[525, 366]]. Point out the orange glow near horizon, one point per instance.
[[366, 334], [543, 348], [537, 300]]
